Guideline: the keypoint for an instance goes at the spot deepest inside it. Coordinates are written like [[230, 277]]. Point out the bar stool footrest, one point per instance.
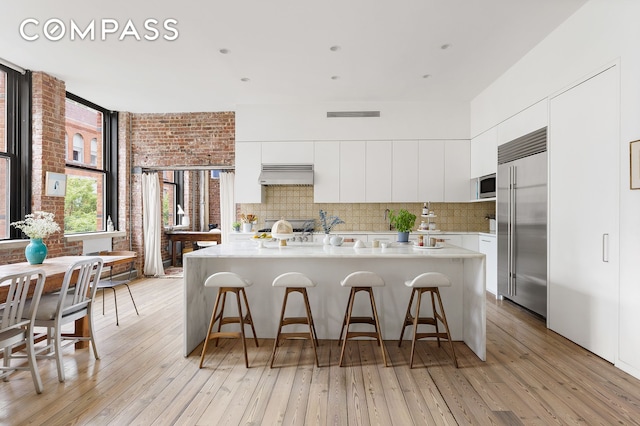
[[293, 335], [363, 320], [436, 335], [354, 334], [225, 334], [295, 320]]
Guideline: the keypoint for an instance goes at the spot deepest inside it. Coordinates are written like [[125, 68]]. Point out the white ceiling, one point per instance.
[[283, 47]]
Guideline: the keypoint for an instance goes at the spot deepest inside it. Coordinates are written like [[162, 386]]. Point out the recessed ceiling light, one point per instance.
[[426, 76], [334, 48], [335, 77], [224, 51], [445, 46], [244, 79]]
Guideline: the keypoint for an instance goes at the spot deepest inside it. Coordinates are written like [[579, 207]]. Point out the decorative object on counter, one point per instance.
[[184, 220], [247, 221], [110, 227], [282, 230], [492, 222], [37, 226], [328, 222], [236, 226], [337, 240], [403, 221], [425, 210], [359, 244]]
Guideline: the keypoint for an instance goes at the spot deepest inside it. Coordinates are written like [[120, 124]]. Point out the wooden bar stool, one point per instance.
[[427, 282], [295, 282], [361, 281], [234, 283]]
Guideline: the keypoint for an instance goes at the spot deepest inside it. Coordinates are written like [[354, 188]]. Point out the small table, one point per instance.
[[184, 236], [54, 269]]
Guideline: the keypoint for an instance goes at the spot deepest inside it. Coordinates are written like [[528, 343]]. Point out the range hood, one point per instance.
[[286, 174]]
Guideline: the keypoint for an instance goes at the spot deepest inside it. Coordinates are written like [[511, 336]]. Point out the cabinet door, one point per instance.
[[484, 153], [290, 152], [584, 157], [378, 172], [456, 171], [248, 165], [326, 172], [431, 171], [405, 172], [352, 171], [488, 245]]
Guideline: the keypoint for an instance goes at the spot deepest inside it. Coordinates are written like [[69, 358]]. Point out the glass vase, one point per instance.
[[36, 251]]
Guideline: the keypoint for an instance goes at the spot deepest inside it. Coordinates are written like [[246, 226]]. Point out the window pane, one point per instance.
[[85, 124], [167, 176], [4, 197], [3, 111], [168, 204], [84, 202]]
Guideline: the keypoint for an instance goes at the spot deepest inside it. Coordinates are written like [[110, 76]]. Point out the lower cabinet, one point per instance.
[[488, 245]]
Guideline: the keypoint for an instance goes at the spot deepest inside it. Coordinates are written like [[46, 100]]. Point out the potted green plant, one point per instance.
[[236, 226], [403, 221]]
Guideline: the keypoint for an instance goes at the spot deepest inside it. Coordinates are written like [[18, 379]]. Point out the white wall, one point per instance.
[[601, 32], [410, 120]]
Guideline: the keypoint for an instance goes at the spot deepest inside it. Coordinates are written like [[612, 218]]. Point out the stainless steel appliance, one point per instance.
[[487, 186], [522, 221], [302, 228]]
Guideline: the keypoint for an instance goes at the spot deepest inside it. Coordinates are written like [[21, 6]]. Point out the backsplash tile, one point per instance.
[[296, 202]]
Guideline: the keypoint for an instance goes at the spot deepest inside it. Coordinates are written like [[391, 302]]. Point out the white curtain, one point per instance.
[[227, 204], [152, 224]]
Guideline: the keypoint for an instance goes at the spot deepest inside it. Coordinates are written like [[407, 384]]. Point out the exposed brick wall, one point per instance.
[[178, 139]]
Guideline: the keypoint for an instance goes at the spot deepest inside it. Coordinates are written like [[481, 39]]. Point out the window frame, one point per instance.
[[178, 183], [109, 159], [19, 150]]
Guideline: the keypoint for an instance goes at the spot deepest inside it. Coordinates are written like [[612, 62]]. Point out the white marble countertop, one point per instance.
[[250, 249]]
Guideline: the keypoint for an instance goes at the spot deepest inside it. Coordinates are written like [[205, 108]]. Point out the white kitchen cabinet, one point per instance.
[[484, 153], [526, 121], [456, 171], [488, 245], [405, 172], [248, 165], [378, 175], [290, 152], [470, 241], [584, 155], [352, 171], [431, 171], [326, 172]]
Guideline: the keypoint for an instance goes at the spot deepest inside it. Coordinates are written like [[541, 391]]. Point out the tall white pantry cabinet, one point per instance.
[[584, 175]]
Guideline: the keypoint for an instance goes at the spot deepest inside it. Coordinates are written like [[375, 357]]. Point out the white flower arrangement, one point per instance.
[[39, 224], [329, 222]]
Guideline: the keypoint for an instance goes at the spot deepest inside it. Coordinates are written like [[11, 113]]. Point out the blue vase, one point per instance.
[[35, 251]]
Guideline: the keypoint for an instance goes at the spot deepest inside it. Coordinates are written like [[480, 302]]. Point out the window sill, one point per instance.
[[13, 244], [94, 235]]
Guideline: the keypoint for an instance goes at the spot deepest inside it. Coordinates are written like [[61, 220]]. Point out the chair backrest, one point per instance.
[[21, 287], [88, 271], [133, 255]]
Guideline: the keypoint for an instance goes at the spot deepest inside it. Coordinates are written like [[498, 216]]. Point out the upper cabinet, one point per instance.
[[291, 152], [248, 165], [484, 153], [405, 171], [526, 121], [378, 171], [326, 172], [431, 171], [352, 171], [456, 171]]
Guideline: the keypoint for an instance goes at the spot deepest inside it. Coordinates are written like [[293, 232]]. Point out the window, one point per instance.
[[92, 188], [15, 149], [172, 184]]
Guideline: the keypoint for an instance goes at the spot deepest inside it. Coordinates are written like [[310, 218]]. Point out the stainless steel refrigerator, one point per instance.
[[522, 221]]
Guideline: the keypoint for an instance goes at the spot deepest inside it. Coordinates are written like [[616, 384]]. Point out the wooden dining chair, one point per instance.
[[17, 316]]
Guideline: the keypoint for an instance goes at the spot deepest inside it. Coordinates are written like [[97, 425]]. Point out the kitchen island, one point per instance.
[[464, 301]]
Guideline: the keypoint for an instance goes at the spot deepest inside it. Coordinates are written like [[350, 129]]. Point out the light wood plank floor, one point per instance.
[[532, 376]]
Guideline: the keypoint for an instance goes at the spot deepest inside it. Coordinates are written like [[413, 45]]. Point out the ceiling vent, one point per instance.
[[352, 114]]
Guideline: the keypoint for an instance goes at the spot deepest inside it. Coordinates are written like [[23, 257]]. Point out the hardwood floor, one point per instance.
[[531, 376]]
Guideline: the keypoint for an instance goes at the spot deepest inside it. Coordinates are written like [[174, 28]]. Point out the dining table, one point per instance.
[[55, 268]]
